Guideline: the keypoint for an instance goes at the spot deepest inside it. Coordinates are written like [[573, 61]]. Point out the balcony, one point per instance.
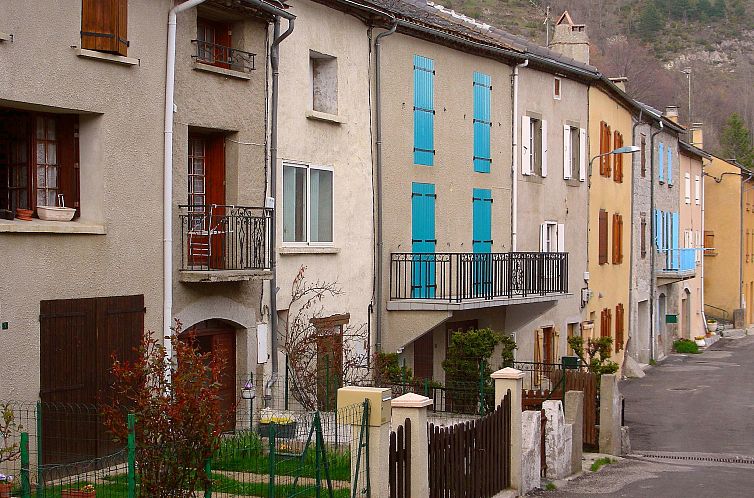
[[676, 264], [223, 57], [457, 281], [221, 243]]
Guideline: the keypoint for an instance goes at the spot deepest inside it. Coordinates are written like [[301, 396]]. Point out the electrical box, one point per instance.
[[671, 318], [379, 404]]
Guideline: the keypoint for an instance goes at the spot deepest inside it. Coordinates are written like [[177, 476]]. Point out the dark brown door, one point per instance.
[[78, 340], [548, 339], [462, 326], [424, 357], [329, 367], [206, 195]]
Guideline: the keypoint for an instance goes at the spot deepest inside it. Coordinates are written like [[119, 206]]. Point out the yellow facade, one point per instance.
[[609, 280], [723, 238], [748, 243]]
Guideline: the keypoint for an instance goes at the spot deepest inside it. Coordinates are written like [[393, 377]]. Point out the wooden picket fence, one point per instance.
[[399, 474], [472, 459]]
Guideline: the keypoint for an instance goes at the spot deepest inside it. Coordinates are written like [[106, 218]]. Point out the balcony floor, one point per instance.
[[223, 275], [669, 276], [469, 304]]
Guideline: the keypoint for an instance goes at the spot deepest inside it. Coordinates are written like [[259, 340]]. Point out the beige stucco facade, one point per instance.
[[609, 281]]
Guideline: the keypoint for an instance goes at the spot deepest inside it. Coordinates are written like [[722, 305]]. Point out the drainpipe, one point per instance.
[[631, 239], [652, 230], [167, 188], [378, 172], [514, 162], [741, 247]]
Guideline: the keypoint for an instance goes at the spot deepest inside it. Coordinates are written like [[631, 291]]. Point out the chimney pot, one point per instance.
[[620, 82], [671, 112], [697, 135]]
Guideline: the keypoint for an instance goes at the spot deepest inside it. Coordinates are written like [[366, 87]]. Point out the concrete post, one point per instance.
[[414, 407], [510, 379], [610, 415], [574, 415], [531, 461]]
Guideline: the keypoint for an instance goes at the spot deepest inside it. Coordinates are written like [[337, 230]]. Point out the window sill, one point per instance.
[[6, 37], [104, 56], [292, 250], [323, 116], [41, 226], [209, 68]]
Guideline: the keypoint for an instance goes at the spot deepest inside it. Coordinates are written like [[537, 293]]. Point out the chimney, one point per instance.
[[697, 136], [570, 39], [620, 82], [671, 112]]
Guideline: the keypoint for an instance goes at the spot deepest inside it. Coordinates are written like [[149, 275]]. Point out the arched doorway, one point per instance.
[[661, 312], [219, 337], [686, 312]]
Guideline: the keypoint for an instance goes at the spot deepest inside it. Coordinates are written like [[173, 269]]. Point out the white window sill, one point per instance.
[[41, 226], [284, 251], [6, 37], [208, 68], [104, 56], [323, 116]]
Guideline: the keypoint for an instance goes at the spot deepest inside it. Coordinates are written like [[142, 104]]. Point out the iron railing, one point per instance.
[[222, 237], [222, 56], [680, 260], [457, 277]]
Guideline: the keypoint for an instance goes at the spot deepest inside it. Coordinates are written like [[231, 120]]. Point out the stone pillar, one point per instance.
[[610, 415], [558, 441], [510, 379], [531, 455], [414, 407], [574, 415]]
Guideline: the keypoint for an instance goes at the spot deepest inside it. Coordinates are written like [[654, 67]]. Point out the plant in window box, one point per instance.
[[56, 213], [285, 425], [6, 485], [87, 491]]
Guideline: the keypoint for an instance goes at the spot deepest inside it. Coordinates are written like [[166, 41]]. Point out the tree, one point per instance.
[[595, 354], [736, 141], [178, 420], [651, 20]]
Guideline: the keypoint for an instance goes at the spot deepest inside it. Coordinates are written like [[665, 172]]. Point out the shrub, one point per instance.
[[597, 464], [685, 346], [595, 354]]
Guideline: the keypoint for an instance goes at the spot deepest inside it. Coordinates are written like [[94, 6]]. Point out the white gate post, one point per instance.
[[510, 379]]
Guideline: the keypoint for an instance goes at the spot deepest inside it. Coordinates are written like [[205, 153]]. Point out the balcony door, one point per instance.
[[482, 243], [206, 198], [423, 282]]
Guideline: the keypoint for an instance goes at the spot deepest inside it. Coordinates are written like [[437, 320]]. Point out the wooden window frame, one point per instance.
[[643, 155], [643, 235], [618, 161], [709, 243], [602, 237], [605, 161], [557, 88], [619, 324], [104, 26]]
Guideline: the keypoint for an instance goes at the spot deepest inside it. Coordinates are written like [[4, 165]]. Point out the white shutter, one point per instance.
[[262, 353], [543, 237], [544, 148], [697, 190], [567, 167], [561, 237], [582, 154], [687, 187], [525, 145]]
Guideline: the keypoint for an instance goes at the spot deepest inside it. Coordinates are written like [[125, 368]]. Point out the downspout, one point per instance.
[[167, 187], [275, 63], [652, 229], [631, 240], [378, 173], [514, 162], [741, 303]]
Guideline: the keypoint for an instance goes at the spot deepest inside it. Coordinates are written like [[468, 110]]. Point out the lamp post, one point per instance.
[[628, 149], [247, 392], [687, 72]]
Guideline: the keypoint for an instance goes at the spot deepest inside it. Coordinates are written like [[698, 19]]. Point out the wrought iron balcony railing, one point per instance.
[[222, 56], [221, 237], [457, 277]]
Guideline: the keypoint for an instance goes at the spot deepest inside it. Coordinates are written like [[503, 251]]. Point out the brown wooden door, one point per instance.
[[206, 195], [424, 357], [549, 346], [329, 367]]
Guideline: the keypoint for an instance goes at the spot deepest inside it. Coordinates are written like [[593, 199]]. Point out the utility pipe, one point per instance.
[[378, 174], [631, 238], [652, 231], [514, 162], [167, 188]]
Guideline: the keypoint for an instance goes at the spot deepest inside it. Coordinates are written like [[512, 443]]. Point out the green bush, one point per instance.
[[685, 346], [600, 462]]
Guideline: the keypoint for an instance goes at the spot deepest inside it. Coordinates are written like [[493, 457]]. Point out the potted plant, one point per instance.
[[6, 485], [87, 491], [285, 425]]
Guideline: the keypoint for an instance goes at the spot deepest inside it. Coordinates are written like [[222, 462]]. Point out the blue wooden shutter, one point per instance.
[[676, 253], [661, 156], [424, 111], [658, 229], [423, 240], [670, 166], [482, 122], [482, 242]]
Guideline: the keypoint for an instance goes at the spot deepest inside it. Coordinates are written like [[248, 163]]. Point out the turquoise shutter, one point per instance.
[[482, 122], [658, 229], [482, 241], [423, 240], [676, 254], [424, 111], [661, 156], [670, 166]]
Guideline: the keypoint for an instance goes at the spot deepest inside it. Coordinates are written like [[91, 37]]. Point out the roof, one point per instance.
[[691, 149]]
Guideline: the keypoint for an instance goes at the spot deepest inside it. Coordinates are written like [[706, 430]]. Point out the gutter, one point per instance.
[[378, 172], [652, 230], [514, 162]]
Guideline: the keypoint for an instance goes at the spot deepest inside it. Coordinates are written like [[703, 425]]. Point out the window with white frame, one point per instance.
[[574, 152], [556, 91], [534, 146], [697, 190], [307, 204], [687, 189], [552, 237]]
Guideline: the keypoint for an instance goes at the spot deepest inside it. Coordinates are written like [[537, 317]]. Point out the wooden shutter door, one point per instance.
[[224, 348], [602, 236], [482, 122], [215, 188], [68, 158], [424, 357], [104, 25], [424, 114]]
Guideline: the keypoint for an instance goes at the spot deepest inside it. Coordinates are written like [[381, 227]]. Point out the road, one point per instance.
[[694, 415]]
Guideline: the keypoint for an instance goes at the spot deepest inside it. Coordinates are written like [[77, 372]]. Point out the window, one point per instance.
[[670, 166], [324, 74], [617, 239], [104, 26], [556, 89], [307, 204], [709, 243], [574, 330], [424, 111], [618, 170], [606, 319], [602, 237], [619, 319], [661, 162], [605, 136], [482, 122], [574, 153], [552, 237], [643, 235], [38, 160], [643, 156], [213, 43], [747, 246], [534, 146], [687, 188]]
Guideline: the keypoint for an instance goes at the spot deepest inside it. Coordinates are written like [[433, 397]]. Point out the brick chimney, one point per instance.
[[671, 112], [697, 136], [620, 82], [570, 39]]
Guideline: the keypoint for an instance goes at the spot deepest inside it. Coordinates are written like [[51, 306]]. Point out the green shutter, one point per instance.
[[423, 240], [424, 111], [482, 122]]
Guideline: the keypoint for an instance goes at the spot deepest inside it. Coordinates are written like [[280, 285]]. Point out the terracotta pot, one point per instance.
[[77, 493], [24, 214], [5, 490]]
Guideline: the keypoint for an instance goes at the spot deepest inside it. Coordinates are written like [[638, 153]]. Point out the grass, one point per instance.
[[653, 362], [228, 486], [550, 486], [685, 346], [600, 462]]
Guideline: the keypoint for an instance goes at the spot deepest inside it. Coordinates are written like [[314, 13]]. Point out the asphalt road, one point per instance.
[[689, 412]]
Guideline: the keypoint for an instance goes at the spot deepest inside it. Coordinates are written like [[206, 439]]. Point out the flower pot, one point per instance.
[[51, 213], [77, 493], [282, 431], [5, 489], [24, 214]]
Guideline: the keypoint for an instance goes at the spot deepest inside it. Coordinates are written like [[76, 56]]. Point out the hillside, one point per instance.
[[652, 42]]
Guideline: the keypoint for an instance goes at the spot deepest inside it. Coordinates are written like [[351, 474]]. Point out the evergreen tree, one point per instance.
[[736, 141], [717, 11], [651, 20]]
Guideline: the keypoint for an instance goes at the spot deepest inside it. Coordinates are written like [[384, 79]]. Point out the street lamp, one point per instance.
[[628, 149], [687, 72]]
